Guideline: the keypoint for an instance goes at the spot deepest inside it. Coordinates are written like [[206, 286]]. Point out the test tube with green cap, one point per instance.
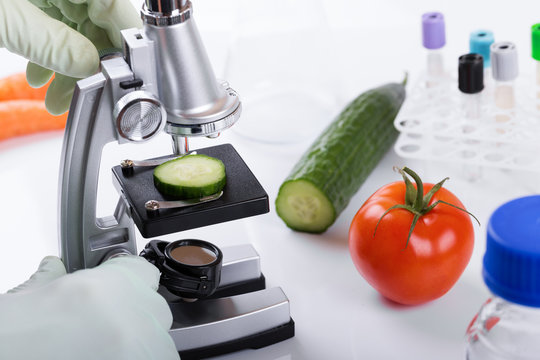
[[535, 42]]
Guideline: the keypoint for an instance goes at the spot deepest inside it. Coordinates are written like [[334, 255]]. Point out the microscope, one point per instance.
[[163, 81]]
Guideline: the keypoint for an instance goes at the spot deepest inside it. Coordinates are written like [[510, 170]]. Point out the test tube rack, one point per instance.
[[433, 126]]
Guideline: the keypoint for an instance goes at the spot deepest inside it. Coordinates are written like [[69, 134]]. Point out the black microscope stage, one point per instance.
[[243, 196]]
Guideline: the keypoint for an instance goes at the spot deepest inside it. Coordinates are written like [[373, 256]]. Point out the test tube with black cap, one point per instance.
[[471, 83], [433, 40], [505, 71]]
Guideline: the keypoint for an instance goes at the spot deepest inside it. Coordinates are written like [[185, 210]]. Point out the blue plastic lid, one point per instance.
[[479, 43], [512, 258]]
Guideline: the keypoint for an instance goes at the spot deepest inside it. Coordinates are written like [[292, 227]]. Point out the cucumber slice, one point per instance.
[[332, 170], [190, 177], [304, 206]]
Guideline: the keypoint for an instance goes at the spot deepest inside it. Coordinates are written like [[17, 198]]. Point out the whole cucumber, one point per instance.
[[332, 170]]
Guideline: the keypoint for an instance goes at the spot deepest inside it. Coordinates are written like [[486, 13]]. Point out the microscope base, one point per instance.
[[241, 314], [216, 326], [255, 341]]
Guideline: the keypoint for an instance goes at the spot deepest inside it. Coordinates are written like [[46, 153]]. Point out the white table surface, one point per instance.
[[337, 314]]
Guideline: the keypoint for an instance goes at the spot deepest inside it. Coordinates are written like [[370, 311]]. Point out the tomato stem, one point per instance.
[[419, 198], [416, 202]]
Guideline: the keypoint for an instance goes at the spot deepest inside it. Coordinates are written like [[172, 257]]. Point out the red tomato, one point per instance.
[[428, 265]]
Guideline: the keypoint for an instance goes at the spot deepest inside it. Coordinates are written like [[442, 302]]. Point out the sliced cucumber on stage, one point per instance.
[[190, 177]]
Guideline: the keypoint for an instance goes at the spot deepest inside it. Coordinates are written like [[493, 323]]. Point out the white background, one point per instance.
[[337, 314]]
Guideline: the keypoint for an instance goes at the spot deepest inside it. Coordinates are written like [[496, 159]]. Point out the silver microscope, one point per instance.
[[164, 81]]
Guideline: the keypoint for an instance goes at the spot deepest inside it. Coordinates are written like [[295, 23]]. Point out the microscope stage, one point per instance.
[[243, 196]]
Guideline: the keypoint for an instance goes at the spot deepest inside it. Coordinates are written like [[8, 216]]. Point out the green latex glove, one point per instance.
[[110, 312], [63, 36]]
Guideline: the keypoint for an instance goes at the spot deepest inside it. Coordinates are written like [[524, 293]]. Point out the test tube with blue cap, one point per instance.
[[505, 71], [433, 40], [479, 43]]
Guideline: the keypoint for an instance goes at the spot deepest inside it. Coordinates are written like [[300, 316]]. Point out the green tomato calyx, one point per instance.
[[415, 200]]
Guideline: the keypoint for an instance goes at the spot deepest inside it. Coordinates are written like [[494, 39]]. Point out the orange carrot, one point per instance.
[[15, 87], [23, 117]]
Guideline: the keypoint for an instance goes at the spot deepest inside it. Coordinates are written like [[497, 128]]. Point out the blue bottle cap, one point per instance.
[[479, 43], [512, 258]]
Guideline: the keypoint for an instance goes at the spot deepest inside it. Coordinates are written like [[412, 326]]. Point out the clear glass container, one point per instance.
[[507, 327], [504, 331]]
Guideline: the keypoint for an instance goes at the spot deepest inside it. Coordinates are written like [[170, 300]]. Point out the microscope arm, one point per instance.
[[84, 239]]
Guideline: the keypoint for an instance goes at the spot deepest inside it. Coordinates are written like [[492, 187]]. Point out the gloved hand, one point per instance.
[[63, 37], [111, 312]]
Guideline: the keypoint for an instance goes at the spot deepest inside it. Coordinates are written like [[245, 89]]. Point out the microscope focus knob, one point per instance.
[[139, 115]]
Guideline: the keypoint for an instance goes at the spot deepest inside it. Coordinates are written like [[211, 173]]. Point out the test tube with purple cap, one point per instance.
[[433, 40]]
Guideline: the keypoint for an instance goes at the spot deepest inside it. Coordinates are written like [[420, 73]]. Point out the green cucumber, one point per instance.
[[332, 170], [190, 177]]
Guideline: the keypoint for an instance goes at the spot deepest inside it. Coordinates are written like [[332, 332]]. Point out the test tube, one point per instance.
[[433, 40], [505, 70], [535, 41], [479, 43], [471, 83]]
